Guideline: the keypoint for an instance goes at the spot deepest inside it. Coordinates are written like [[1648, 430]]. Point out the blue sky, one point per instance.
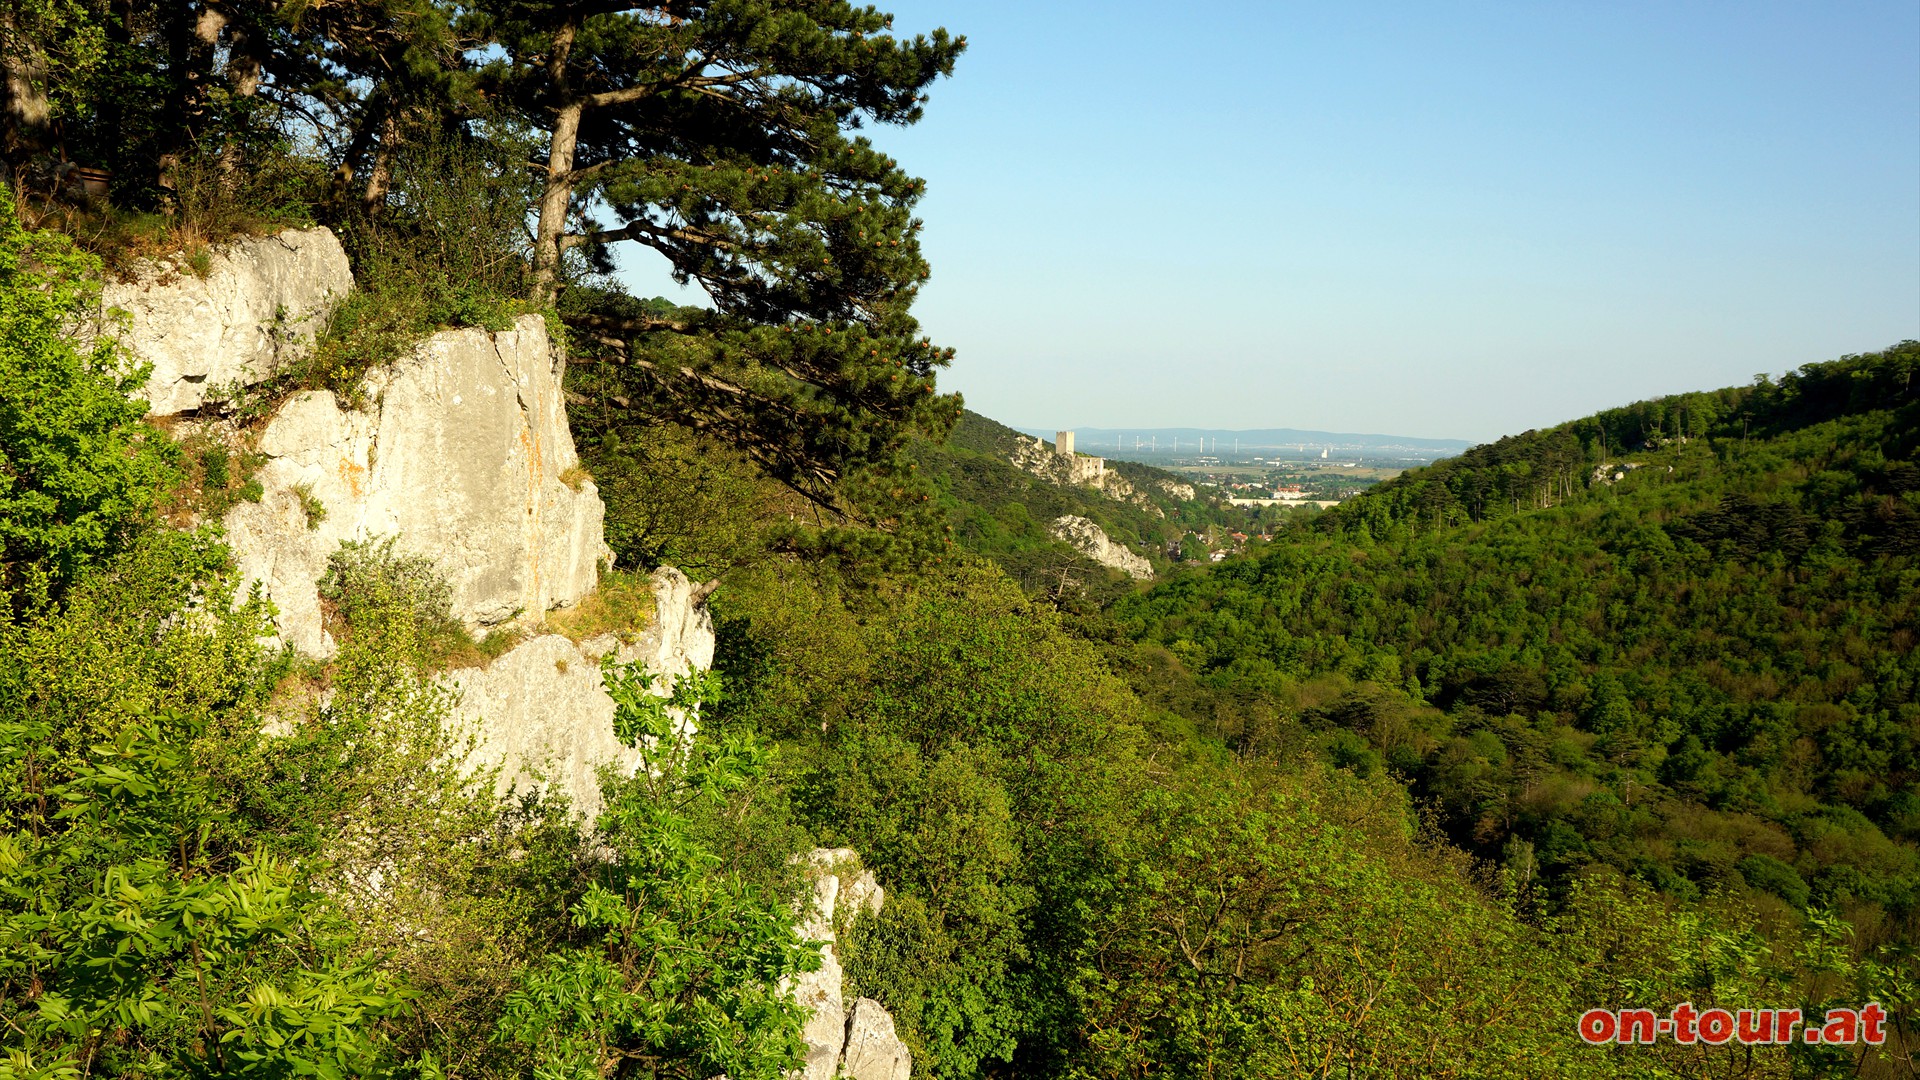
[[1437, 219]]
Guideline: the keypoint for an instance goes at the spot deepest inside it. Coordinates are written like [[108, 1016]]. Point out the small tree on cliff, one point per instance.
[[720, 135]]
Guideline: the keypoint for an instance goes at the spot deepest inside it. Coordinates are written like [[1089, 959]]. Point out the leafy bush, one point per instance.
[[1769, 874], [676, 963], [118, 914], [401, 598], [448, 249], [79, 472]]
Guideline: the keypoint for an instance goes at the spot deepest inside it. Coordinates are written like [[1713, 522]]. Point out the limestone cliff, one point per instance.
[[1092, 541], [1183, 492], [255, 309], [540, 712], [856, 1041], [462, 453], [1082, 470]]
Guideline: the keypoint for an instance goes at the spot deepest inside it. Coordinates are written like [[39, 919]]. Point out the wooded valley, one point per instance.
[[1621, 713]]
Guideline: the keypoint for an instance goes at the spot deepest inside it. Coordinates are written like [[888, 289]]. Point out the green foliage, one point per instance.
[[400, 601], [723, 139], [975, 755], [449, 249], [215, 477], [157, 884], [675, 965], [674, 496], [120, 646], [995, 509], [1701, 677], [118, 914], [78, 471], [1256, 934]]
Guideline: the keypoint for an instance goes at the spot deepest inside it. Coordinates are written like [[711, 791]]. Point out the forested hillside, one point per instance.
[[1618, 714], [1004, 513], [1675, 638]]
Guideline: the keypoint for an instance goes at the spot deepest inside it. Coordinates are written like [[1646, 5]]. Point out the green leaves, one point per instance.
[[117, 914], [677, 965], [722, 137], [78, 472]]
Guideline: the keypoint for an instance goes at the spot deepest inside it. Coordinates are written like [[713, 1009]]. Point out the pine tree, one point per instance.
[[722, 135]]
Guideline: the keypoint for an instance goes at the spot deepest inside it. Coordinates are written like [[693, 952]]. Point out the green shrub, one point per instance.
[[79, 472], [448, 249], [677, 958], [401, 600]]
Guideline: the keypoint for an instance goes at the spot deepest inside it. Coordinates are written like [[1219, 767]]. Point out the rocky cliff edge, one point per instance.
[[853, 1040], [461, 454], [252, 307]]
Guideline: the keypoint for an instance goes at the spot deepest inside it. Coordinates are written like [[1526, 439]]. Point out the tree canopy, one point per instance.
[[725, 137]]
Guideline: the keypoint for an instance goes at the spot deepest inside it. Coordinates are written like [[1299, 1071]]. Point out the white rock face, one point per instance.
[[459, 454], [1092, 541], [256, 311], [873, 1051], [839, 1040], [1041, 459], [541, 713]]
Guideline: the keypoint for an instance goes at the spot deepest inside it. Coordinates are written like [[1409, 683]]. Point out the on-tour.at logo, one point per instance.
[[1748, 1027]]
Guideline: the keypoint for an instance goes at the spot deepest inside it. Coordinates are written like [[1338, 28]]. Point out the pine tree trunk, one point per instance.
[[372, 118], [380, 174], [554, 201], [558, 192], [27, 111], [192, 39], [243, 76]]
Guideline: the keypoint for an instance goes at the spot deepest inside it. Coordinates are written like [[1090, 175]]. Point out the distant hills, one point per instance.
[[1006, 513], [1280, 442], [1675, 638]]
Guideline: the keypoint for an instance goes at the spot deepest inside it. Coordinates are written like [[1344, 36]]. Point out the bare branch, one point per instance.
[[610, 324], [645, 229]]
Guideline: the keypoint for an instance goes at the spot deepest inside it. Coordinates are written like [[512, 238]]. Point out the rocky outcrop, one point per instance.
[[1183, 492], [540, 713], [858, 1041], [461, 453], [873, 1051], [1092, 541], [255, 309], [1610, 474], [1082, 470]]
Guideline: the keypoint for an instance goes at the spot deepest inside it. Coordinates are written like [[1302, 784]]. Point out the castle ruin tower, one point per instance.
[[1063, 443]]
